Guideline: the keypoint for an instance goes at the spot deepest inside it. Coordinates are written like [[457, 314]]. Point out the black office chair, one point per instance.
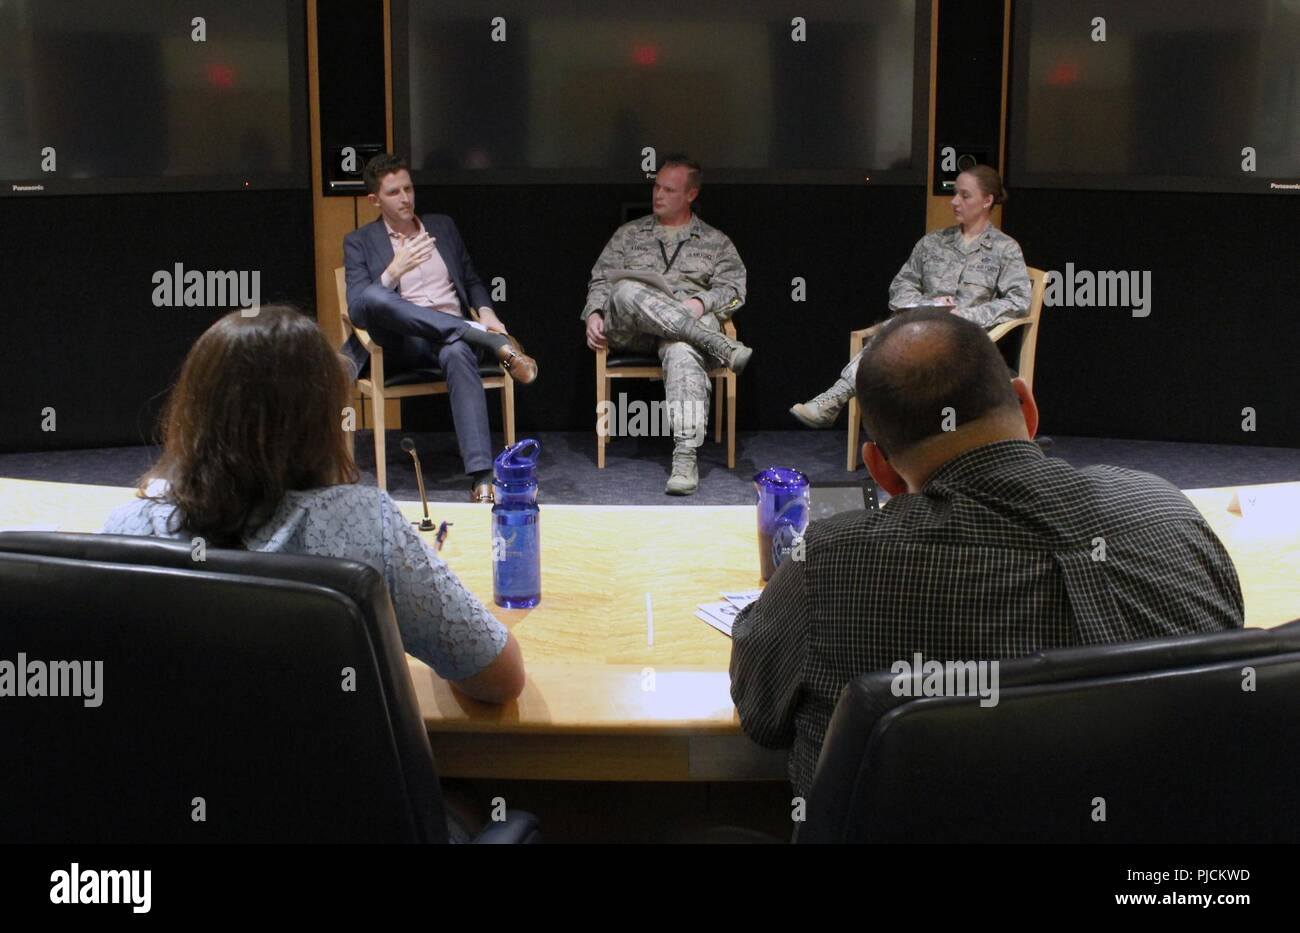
[[225, 680], [1161, 731]]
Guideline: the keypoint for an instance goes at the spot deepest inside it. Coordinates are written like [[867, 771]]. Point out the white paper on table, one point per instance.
[[743, 598], [1267, 502], [721, 626], [36, 527], [724, 612]]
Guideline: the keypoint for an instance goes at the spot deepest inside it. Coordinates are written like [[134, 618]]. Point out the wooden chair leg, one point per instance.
[[377, 419], [854, 418], [602, 410], [352, 435], [731, 421], [717, 409], [1028, 346], [857, 340], [508, 410]]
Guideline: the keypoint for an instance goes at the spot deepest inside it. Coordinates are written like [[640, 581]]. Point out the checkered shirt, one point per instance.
[[1004, 552]]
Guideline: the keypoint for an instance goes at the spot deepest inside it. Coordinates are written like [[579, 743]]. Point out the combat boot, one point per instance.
[[730, 353], [821, 412], [685, 478]]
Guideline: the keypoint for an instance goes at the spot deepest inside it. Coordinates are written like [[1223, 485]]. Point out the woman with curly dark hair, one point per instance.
[[255, 457]]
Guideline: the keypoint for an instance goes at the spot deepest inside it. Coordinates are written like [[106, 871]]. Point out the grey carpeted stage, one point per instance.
[[636, 468]]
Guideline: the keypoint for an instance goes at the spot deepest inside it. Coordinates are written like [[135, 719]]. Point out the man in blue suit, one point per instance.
[[411, 285]]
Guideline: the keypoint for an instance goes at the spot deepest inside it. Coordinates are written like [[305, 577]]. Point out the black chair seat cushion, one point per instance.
[[434, 374], [630, 359]]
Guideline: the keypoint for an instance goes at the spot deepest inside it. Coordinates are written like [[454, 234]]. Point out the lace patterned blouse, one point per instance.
[[441, 622]]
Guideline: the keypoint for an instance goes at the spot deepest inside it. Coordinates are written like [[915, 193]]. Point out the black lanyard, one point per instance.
[[668, 263]]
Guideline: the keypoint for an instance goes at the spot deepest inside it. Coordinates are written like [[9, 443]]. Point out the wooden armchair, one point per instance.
[[379, 388], [1025, 367], [639, 366]]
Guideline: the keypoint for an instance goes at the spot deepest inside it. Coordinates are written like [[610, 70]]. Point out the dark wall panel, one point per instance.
[[77, 290], [968, 75], [85, 338], [350, 49], [1223, 332]]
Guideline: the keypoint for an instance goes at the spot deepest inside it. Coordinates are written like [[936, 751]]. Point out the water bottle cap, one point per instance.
[[781, 478], [517, 463]]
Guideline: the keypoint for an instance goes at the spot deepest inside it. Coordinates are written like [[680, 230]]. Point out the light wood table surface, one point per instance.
[[604, 703]]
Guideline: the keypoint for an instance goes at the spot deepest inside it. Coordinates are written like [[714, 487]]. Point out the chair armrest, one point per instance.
[[1006, 327], [729, 328], [517, 828], [857, 339], [366, 341]]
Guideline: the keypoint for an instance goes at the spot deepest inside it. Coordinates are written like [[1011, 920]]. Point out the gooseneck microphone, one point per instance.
[[408, 445]]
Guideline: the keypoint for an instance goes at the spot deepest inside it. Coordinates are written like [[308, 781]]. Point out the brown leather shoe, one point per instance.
[[521, 367], [482, 493]]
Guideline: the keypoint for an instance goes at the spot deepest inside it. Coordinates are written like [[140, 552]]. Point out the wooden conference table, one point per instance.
[[609, 699]]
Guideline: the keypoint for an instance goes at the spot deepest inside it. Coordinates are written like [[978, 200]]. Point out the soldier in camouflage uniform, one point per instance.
[[972, 267], [626, 311]]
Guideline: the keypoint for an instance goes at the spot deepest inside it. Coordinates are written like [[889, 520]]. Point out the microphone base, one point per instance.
[[425, 525]]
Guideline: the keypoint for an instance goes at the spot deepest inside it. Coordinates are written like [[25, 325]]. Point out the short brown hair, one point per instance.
[[694, 174], [990, 182], [257, 411], [381, 166], [903, 400]]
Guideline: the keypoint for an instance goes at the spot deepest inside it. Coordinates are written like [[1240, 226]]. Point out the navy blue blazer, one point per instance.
[[367, 251]]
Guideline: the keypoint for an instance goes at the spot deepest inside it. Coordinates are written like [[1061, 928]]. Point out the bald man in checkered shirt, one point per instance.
[[988, 549]]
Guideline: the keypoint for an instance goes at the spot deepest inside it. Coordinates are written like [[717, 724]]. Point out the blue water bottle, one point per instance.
[[516, 541]]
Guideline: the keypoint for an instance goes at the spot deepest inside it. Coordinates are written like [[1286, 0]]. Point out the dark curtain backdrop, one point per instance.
[[84, 337]]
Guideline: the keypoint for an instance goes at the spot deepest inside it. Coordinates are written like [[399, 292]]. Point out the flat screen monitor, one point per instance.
[[589, 91], [1201, 95], [151, 95]]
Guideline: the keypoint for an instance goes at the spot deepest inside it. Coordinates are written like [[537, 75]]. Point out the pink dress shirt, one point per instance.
[[428, 284]]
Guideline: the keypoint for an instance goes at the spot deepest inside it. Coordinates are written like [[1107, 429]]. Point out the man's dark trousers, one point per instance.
[[412, 337]]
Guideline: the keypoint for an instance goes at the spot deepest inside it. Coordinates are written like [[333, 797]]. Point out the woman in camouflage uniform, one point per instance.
[[972, 268]]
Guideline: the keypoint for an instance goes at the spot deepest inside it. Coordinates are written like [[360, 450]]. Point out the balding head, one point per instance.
[[930, 373]]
